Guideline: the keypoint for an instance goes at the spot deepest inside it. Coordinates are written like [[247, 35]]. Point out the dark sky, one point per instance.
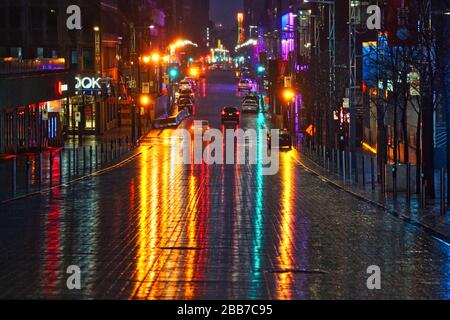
[[224, 11]]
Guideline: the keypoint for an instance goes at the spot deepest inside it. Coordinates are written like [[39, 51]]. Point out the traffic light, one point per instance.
[[144, 100], [194, 72], [261, 69], [288, 95], [173, 73]]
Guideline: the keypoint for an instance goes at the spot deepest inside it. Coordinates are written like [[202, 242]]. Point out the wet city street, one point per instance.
[[151, 228]]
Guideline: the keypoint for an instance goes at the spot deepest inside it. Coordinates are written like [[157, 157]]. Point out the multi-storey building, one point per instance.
[[188, 19], [56, 82]]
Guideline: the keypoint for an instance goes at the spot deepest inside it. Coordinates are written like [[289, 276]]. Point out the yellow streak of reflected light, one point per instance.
[[285, 281]]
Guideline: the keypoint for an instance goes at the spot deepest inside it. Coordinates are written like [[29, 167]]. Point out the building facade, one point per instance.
[[56, 82]]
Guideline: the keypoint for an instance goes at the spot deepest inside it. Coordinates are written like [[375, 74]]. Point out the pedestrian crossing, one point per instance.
[[440, 138]]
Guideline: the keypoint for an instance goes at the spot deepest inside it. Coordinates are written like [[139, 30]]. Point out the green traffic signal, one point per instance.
[[173, 73]]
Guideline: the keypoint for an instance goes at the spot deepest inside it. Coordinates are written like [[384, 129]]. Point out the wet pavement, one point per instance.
[[154, 229]]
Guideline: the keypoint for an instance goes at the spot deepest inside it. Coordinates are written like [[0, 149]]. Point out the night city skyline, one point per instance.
[[221, 158]]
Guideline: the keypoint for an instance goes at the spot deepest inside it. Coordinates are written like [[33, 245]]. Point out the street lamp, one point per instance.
[[289, 96], [156, 57]]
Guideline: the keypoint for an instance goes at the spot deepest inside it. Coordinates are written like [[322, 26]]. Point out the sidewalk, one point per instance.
[[36, 172], [428, 218]]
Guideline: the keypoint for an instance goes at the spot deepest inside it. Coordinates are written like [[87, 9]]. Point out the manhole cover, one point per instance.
[[281, 271], [181, 248]]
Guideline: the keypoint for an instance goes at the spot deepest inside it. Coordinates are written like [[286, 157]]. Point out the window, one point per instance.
[[52, 19], [15, 17], [88, 60], [36, 18], [2, 18], [40, 52], [16, 52], [74, 58]]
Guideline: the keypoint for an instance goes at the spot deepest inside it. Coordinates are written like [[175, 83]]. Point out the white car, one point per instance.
[[245, 85], [185, 85], [250, 106]]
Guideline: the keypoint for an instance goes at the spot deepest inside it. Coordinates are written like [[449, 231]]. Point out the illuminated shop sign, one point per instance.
[[88, 83]]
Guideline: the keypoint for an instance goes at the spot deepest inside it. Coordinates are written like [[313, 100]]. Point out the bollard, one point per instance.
[[372, 172], [422, 191], [126, 142], [112, 150], [27, 172], [90, 159], [101, 154], [96, 156], [120, 147], [443, 209], [338, 157], [51, 169], [84, 159], [344, 164], [77, 158], [60, 166], [69, 164], [41, 174], [329, 162], [408, 184], [394, 180], [14, 176], [363, 168], [332, 161], [383, 178], [350, 167]]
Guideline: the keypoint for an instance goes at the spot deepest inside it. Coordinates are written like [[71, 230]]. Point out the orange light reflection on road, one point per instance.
[[286, 246]]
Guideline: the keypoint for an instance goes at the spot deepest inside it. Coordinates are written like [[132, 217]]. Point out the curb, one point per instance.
[[436, 234], [67, 184]]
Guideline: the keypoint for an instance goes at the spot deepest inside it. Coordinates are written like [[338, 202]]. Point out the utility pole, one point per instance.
[[352, 89], [133, 82]]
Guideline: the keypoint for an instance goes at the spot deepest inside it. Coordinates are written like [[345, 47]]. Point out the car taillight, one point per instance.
[[223, 113], [238, 113]]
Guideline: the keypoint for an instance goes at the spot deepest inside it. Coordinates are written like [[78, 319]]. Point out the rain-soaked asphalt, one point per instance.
[[155, 229]]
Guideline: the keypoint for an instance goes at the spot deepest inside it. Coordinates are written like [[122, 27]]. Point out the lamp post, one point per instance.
[[135, 72], [289, 96]]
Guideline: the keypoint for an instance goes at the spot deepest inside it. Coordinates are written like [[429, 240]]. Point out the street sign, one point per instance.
[[77, 116], [132, 84], [166, 80], [288, 82], [346, 103], [146, 87]]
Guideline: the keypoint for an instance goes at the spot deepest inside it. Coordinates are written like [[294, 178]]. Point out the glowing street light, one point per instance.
[[173, 73], [194, 72], [146, 59], [261, 69], [156, 57], [144, 100], [288, 95]]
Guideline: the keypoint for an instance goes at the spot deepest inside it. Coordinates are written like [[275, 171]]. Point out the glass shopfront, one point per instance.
[[86, 106]]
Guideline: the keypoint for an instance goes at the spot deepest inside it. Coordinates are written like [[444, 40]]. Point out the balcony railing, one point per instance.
[[16, 65]]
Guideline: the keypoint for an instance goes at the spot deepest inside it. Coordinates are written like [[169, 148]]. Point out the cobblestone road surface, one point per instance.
[[154, 229]]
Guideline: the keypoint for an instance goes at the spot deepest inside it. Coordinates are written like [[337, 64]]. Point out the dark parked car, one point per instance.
[[285, 139], [252, 96], [230, 114]]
